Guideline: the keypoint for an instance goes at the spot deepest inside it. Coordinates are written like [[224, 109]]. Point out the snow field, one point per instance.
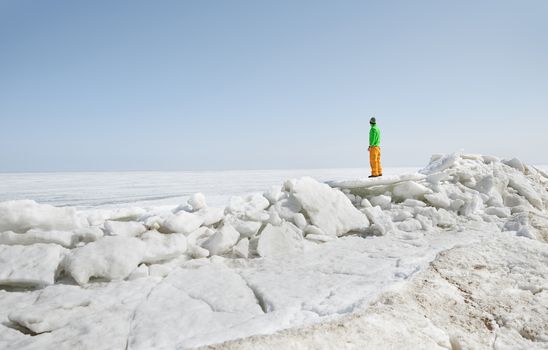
[[475, 296], [299, 253]]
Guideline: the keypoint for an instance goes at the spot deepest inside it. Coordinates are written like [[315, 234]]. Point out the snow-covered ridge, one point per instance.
[[220, 271], [453, 189]]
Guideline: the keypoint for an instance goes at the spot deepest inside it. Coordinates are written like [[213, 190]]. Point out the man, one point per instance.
[[374, 149]]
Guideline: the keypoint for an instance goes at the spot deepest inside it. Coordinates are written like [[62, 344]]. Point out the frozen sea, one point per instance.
[[103, 280], [86, 190]]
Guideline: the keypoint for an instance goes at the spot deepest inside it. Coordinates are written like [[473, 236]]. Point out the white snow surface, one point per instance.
[[22, 215], [34, 265], [329, 210], [113, 258], [453, 257]]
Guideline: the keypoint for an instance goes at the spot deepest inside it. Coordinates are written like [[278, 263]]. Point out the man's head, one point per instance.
[[372, 121]]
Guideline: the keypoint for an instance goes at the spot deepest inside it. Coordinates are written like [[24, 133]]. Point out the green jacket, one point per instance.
[[374, 135]]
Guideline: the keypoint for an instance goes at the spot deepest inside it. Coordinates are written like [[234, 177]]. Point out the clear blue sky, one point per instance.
[[187, 85]]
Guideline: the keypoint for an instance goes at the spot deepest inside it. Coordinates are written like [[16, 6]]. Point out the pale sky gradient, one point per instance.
[[190, 85]]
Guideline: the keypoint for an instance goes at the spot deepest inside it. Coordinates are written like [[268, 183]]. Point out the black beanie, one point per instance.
[[372, 121]]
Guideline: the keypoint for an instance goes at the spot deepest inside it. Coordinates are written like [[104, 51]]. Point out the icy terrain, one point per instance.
[[451, 257], [152, 188]]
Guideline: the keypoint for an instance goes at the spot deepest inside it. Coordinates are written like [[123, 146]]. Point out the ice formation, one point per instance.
[[299, 253]]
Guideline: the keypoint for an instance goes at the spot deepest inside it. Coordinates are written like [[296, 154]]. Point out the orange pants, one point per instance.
[[375, 160]]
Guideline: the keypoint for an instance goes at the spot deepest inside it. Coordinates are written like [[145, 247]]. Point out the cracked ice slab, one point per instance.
[[328, 208], [341, 276], [194, 306], [526, 190], [490, 295], [72, 317], [63, 238], [33, 266], [113, 257], [54, 308], [22, 215], [377, 181]]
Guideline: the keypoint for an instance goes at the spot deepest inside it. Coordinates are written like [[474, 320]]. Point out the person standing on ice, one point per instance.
[[374, 149]]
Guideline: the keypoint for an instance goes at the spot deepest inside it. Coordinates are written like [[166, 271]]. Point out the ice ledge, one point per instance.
[[377, 181]]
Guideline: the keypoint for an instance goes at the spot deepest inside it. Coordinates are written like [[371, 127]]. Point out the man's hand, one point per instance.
[[369, 149]]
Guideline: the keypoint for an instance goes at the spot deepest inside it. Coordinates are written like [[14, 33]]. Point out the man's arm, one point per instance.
[[371, 138]]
